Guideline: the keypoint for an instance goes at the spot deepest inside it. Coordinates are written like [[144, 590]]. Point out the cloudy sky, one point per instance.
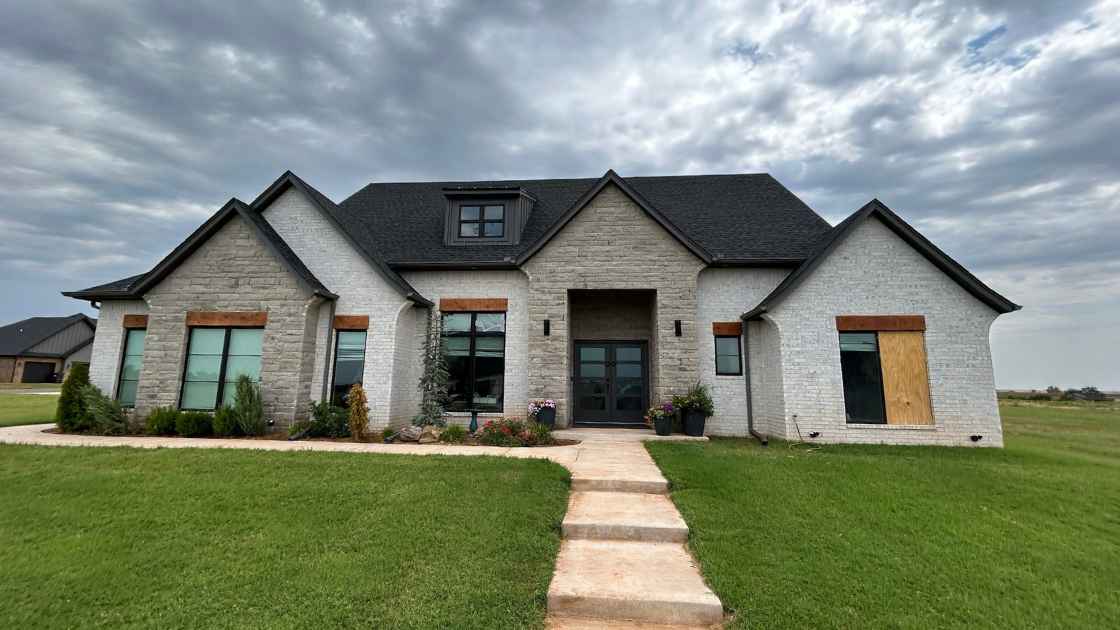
[[993, 127]]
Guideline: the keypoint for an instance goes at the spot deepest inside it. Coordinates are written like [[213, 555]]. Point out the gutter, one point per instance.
[[747, 384]]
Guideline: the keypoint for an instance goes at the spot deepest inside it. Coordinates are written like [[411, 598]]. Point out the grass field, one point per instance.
[[135, 538], [19, 407], [912, 537]]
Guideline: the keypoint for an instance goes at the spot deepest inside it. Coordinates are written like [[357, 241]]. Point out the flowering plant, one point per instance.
[[514, 432], [536, 405], [659, 412]]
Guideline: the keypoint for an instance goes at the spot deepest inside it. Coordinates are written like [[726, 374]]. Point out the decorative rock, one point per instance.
[[409, 434], [429, 435]]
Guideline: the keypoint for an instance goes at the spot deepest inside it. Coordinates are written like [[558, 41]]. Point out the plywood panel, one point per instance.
[[483, 305], [880, 323], [905, 377], [351, 322], [227, 318], [727, 328]]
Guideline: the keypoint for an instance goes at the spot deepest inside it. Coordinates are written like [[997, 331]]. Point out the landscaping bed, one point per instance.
[[118, 537], [797, 536]]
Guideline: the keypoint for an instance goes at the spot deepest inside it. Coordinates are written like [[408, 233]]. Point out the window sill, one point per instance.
[[892, 427]]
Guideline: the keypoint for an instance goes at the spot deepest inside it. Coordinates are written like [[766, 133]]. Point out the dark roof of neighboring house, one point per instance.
[[734, 219], [17, 338], [878, 209]]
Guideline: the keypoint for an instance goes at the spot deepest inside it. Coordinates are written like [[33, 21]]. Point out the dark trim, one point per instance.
[[739, 348], [746, 350], [876, 208], [610, 177]]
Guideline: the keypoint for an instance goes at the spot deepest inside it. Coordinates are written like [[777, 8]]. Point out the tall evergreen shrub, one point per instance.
[[71, 414]]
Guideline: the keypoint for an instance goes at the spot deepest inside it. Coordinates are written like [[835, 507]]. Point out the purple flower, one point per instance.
[[667, 407]]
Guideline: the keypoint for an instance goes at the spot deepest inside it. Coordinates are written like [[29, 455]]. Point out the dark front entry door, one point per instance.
[[610, 382]]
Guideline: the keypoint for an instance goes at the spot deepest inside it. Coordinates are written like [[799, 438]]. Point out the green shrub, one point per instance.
[[106, 415], [453, 434], [513, 432], [225, 422], [387, 433], [358, 412], [194, 424], [540, 435], [697, 399], [328, 420], [71, 414], [299, 429], [248, 408], [161, 421]]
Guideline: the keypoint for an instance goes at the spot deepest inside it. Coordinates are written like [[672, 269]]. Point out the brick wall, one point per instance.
[[108, 342], [724, 295], [232, 271], [875, 272], [612, 244]]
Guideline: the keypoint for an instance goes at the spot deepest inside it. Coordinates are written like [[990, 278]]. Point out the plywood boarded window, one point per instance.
[[886, 379]]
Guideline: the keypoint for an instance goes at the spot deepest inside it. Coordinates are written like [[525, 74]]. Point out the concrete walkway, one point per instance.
[[622, 564]]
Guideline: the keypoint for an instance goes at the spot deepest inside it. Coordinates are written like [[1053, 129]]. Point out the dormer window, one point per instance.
[[484, 221], [486, 215]]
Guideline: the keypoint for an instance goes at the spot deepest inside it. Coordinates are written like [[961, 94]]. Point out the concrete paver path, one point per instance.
[[622, 564]]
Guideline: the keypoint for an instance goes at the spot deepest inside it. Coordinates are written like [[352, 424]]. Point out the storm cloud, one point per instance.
[[994, 127]]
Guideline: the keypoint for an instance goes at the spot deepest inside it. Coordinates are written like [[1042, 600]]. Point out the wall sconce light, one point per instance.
[[976, 438], [814, 434], [547, 327], [677, 327]]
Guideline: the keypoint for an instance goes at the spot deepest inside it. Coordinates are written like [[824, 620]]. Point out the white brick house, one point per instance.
[[606, 295]]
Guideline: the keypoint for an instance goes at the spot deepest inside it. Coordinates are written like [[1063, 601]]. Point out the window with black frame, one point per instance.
[[863, 378], [474, 349], [482, 221], [729, 360], [216, 358], [132, 358], [349, 363]]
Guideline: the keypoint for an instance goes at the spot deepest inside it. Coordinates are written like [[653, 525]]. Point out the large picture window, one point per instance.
[[216, 357], [474, 348], [132, 359], [349, 363], [863, 378]]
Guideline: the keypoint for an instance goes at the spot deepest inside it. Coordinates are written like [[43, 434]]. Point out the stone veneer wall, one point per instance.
[[611, 244], [232, 271], [724, 295], [874, 272]]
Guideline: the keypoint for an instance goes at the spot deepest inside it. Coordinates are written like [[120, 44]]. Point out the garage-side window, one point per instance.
[[132, 359]]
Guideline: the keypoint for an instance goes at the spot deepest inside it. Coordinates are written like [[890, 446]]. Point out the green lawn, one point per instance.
[[912, 537], [17, 408], [96, 537]]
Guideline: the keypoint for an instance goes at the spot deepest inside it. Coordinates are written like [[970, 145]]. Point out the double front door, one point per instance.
[[610, 382]]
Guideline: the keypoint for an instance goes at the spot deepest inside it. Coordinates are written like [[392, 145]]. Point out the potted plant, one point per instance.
[[696, 408], [660, 417], [543, 411]]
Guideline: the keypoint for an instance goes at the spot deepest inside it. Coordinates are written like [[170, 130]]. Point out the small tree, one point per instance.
[[433, 382], [72, 414], [358, 418], [106, 415], [248, 407]]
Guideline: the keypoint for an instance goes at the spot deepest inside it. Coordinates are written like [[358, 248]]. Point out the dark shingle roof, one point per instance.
[[18, 337], [735, 218]]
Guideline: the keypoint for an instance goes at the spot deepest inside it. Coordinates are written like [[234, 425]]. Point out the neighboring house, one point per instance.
[[42, 349], [606, 295]]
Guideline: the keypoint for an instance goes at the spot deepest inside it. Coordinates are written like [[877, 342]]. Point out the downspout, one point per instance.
[[327, 354], [747, 381]]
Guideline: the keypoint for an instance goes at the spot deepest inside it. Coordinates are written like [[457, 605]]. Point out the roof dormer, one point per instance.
[[486, 215]]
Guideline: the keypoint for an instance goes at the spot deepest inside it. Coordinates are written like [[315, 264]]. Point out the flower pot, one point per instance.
[[663, 425], [547, 416], [694, 423]]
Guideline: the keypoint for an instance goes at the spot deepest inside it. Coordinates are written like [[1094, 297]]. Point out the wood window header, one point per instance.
[[476, 305], [351, 322], [135, 321], [727, 329], [880, 323], [227, 318]]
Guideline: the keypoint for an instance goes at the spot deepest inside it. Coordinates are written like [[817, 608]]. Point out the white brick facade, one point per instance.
[[108, 342], [875, 272], [723, 296]]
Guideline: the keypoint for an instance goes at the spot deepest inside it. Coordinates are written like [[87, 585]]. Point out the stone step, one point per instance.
[[631, 581], [584, 623], [623, 516], [582, 483]]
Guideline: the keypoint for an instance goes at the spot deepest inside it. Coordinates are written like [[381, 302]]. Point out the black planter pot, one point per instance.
[[694, 423], [663, 425], [547, 416]]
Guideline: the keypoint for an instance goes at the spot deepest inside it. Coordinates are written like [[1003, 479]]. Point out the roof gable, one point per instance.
[[21, 336], [610, 177], [907, 233]]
